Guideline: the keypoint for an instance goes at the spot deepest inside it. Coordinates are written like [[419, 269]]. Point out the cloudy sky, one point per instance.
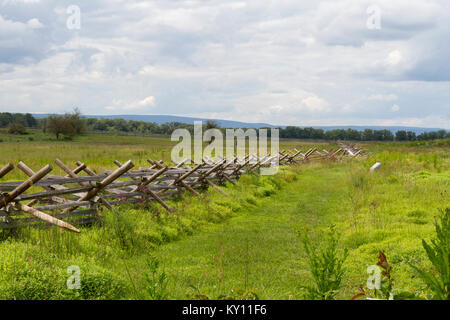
[[285, 62]]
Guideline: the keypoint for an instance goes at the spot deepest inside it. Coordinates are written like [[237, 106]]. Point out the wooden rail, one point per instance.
[[78, 198]]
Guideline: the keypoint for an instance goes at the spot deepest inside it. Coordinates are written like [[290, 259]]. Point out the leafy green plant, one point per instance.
[[101, 286], [438, 252], [155, 281], [16, 128], [386, 282], [122, 226], [326, 266]]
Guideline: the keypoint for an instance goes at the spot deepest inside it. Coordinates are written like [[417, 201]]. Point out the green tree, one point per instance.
[[31, 121], [367, 135], [70, 124], [411, 135], [16, 128], [59, 125], [77, 121], [401, 135]]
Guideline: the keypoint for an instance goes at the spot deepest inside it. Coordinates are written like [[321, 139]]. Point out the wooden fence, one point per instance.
[[75, 199]]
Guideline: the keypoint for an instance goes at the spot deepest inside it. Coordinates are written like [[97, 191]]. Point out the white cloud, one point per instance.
[[35, 24], [383, 97], [287, 62], [394, 58], [315, 104], [395, 108], [143, 105], [146, 102]]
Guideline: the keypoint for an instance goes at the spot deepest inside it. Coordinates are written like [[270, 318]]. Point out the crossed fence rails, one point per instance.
[[72, 200]]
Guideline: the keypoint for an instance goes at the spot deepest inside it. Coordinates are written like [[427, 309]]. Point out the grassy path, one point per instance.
[[258, 249]]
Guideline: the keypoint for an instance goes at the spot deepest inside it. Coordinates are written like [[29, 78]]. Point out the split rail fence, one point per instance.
[[75, 199]]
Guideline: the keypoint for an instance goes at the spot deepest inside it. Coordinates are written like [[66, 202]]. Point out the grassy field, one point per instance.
[[246, 244], [97, 151]]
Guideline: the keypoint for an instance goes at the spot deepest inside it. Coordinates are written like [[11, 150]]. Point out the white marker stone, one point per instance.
[[376, 166]]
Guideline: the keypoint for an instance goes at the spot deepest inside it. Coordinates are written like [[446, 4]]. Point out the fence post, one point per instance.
[[6, 169], [109, 179]]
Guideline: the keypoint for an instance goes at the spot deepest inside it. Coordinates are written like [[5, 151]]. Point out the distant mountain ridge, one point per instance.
[[160, 119]]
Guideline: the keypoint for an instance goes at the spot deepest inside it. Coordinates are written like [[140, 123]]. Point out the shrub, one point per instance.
[[169, 233], [438, 252], [16, 128], [155, 282], [326, 266], [265, 191], [122, 226], [251, 200], [33, 285], [101, 286], [68, 125]]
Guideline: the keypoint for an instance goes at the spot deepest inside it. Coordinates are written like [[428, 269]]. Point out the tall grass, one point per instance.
[[258, 255], [438, 252]]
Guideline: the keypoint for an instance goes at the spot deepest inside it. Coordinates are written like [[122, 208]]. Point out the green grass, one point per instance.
[[97, 151], [249, 241]]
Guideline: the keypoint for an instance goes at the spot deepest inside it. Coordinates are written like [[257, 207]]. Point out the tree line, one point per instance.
[[364, 135], [73, 123], [17, 122]]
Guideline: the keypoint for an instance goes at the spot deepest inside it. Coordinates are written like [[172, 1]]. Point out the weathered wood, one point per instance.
[[291, 158], [254, 165], [6, 169], [46, 217], [78, 169], [144, 184], [157, 183], [181, 163], [86, 169], [190, 189], [216, 187], [156, 164], [7, 198], [284, 156], [334, 154], [187, 174], [22, 166], [68, 204], [20, 215], [49, 194], [161, 202], [151, 179], [69, 172], [215, 168], [239, 167], [357, 153], [73, 175], [228, 179], [109, 179]]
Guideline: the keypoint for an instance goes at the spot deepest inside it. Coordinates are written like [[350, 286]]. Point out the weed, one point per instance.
[[438, 253], [155, 281], [326, 266]]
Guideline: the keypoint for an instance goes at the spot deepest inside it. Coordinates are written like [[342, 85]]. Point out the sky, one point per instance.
[[283, 62]]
